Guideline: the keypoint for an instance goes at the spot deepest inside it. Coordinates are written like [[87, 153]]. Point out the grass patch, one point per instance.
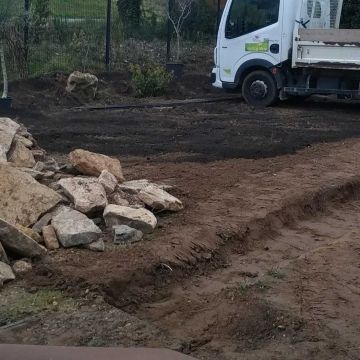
[[17, 304], [276, 273]]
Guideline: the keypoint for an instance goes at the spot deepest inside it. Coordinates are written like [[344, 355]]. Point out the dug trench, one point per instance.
[[285, 281], [260, 265]]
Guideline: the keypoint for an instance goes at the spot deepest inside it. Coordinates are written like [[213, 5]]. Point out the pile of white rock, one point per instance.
[[45, 206]]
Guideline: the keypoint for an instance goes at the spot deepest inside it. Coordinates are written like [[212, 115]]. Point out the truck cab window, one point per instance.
[[246, 16]]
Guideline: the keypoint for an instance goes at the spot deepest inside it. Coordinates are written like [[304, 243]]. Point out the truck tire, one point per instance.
[[259, 88]]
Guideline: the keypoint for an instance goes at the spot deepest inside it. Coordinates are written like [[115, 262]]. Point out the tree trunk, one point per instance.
[[178, 39], [4, 72]]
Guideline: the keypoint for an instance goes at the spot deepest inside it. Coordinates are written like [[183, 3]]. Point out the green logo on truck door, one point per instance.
[[257, 46]]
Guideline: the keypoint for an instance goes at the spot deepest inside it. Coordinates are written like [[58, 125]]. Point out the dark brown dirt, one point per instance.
[[261, 264], [197, 132]]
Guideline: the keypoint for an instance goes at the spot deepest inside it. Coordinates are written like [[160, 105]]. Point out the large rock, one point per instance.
[[30, 233], [85, 83], [88, 195], [3, 256], [108, 181], [23, 200], [152, 195], [17, 242], [158, 199], [6, 274], [140, 219], [135, 186], [20, 156], [8, 129], [73, 228], [89, 163]]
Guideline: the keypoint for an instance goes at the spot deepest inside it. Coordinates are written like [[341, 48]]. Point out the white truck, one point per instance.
[[271, 49]]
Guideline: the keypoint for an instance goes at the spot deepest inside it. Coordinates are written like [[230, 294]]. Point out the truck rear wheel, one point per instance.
[[259, 89]]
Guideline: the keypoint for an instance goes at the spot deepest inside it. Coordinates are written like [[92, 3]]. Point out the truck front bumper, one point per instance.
[[215, 78]]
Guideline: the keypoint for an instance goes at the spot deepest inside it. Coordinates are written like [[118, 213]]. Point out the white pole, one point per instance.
[[4, 72]]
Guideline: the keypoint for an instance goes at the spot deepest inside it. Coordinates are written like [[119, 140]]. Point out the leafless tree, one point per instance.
[[5, 11], [180, 12]]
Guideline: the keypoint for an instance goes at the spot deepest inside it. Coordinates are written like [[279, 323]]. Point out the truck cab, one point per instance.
[[271, 49]]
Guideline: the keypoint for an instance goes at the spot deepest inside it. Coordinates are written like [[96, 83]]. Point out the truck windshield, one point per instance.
[[246, 16]]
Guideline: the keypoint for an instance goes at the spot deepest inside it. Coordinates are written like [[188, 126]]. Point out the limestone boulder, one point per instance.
[[23, 200], [87, 194], [108, 181], [6, 273], [158, 199], [30, 233], [74, 228], [152, 195], [83, 83], [140, 219], [19, 243], [20, 156], [135, 186], [8, 129], [92, 164]]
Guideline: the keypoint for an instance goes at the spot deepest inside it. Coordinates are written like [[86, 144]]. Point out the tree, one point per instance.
[[5, 14], [180, 12]]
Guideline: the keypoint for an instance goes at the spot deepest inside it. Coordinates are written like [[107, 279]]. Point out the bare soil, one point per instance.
[[261, 264]]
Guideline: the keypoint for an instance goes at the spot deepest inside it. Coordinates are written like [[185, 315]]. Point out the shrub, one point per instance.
[[150, 81]]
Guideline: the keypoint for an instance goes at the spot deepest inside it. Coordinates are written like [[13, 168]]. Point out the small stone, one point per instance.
[[21, 267], [6, 273], [43, 221], [98, 246], [108, 181], [87, 194], [19, 155], [51, 165], [39, 166], [31, 233], [116, 198], [50, 238], [74, 228], [39, 154], [124, 235], [25, 141], [140, 219]]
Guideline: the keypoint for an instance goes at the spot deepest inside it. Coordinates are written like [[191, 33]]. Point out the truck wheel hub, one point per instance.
[[258, 89]]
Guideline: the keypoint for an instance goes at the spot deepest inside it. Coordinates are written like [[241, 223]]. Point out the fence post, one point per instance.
[[169, 27], [108, 36], [26, 29]]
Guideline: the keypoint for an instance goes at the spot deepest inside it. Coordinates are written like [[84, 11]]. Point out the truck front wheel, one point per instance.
[[259, 89]]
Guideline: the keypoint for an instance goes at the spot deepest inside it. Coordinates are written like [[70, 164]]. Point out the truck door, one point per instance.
[[251, 29]]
